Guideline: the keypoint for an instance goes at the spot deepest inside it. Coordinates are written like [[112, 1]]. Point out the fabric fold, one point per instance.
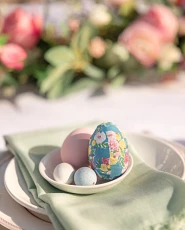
[[143, 200]]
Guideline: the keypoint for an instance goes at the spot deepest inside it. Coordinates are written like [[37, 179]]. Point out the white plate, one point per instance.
[[51, 160], [14, 216], [17, 189], [155, 152]]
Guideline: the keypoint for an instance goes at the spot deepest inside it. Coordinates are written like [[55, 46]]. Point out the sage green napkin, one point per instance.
[[146, 199]]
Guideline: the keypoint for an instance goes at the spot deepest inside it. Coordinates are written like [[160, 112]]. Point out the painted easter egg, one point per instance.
[[108, 151], [64, 173], [85, 176], [74, 150]]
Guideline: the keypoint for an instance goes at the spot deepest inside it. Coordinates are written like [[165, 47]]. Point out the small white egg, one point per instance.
[[64, 173], [85, 176]]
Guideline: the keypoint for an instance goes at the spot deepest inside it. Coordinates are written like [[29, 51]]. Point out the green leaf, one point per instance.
[[65, 30], [81, 39], [69, 76], [127, 8], [53, 76], [56, 91], [3, 39], [81, 84], [118, 81], [8, 79], [59, 55], [113, 72], [62, 85], [94, 72], [183, 48]]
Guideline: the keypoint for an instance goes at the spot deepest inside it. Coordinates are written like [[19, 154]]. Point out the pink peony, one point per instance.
[[13, 56], [182, 26], [143, 41], [164, 20], [106, 161], [113, 145], [23, 28]]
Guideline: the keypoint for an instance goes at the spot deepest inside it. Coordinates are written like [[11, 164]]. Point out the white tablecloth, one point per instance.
[[158, 110]]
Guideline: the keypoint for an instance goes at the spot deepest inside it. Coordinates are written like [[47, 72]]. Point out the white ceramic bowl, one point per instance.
[[158, 153], [51, 160]]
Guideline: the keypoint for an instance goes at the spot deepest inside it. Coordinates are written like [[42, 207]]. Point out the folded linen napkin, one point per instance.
[[146, 199]]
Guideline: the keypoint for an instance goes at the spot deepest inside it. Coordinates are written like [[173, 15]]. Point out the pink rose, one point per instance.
[[113, 145], [164, 20], [13, 56], [23, 28], [106, 161], [181, 26], [126, 158], [143, 41], [179, 2]]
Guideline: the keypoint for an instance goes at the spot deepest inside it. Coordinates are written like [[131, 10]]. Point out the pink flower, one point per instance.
[[143, 41], [179, 2], [116, 155], [113, 145], [111, 135], [97, 47], [74, 24], [126, 158], [13, 56], [23, 28], [164, 20], [106, 161], [181, 26]]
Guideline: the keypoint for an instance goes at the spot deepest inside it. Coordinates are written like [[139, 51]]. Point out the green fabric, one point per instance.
[[145, 199]]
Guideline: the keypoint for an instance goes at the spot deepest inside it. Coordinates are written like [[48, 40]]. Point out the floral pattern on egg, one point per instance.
[[108, 151]]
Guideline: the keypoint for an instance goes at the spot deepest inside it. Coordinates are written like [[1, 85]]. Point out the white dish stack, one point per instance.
[[18, 210]]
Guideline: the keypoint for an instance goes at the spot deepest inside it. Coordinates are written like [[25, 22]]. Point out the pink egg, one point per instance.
[[74, 149]]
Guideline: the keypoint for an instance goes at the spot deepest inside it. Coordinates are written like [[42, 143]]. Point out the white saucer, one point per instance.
[[14, 216], [17, 189]]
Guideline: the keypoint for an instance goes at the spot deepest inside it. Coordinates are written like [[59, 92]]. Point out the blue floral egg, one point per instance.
[[108, 151]]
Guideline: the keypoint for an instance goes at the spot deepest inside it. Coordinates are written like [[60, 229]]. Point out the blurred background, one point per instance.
[[64, 62]]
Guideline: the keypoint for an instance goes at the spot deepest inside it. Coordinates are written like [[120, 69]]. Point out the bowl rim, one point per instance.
[[163, 141], [87, 187]]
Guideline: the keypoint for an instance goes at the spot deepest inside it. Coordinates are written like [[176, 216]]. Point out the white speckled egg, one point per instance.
[[64, 173], [85, 176]]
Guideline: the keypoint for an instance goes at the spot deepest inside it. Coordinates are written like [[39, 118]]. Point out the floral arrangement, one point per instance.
[[113, 41]]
